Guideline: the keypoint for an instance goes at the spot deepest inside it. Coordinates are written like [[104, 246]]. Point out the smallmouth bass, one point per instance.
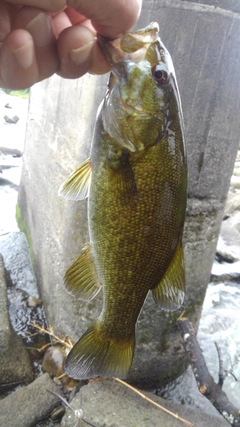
[[136, 184]]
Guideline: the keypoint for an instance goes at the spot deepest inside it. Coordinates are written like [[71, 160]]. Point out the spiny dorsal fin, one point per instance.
[[76, 186], [169, 293], [81, 279]]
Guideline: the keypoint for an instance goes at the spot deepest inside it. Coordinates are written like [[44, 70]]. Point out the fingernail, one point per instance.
[[80, 55], [24, 54], [40, 29]]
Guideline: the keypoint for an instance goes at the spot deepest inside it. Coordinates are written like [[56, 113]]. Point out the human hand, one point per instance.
[[40, 37]]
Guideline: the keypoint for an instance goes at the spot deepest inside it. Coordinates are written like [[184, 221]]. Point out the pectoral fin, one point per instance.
[[169, 293], [76, 186], [122, 177], [81, 278]]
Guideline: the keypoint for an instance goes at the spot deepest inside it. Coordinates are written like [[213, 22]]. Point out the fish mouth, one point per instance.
[[130, 46]]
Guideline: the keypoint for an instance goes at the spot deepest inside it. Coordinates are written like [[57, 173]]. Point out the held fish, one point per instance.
[[136, 184]]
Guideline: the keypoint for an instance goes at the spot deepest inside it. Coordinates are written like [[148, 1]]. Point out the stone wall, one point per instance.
[[204, 44]]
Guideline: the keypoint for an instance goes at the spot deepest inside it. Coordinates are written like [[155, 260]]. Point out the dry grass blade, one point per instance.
[[155, 403], [66, 341]]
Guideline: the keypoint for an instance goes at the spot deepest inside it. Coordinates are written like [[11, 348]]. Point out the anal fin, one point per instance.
[[169, 293], [81, 279], [76, 186]]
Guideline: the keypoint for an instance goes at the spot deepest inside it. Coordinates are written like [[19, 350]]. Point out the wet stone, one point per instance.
[[226, 252], [28, 405], [224, 272], [23, 317], [15, 365], [24, 307], [57, 414], [107, 403], [15, 251], [53, 361]]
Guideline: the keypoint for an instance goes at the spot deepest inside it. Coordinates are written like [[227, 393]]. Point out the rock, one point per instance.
[[235, 181], [226, 272], [15, 251], [33, 302], [236, 170], [228, 253], [13, 119], [4, 181], [53, 361], [12, 135], [13, 151], [28, 405], [228, 246], [15, 364], [57, 414], [8, 162], [23, 317], [2, 167], [110, 404], [233, 202]]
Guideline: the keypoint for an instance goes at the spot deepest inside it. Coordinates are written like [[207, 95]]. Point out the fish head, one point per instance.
[[142, 97]]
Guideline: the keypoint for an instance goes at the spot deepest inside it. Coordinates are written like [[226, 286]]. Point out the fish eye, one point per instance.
[[160, 76]]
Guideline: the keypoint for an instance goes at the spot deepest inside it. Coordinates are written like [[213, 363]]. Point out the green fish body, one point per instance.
[[136, 183]]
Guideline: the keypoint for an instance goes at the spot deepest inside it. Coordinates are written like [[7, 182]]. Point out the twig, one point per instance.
[[231, 373], [77, 412], [221, 376], [66, 342], [204, 380], [154, 403]]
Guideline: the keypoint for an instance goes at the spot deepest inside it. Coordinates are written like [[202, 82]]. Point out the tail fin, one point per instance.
[[97, 355]]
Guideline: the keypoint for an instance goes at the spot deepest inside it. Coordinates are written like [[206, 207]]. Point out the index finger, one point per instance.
[[110, 18], [48, 5]]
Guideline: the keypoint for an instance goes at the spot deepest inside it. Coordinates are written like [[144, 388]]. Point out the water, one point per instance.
[[220, 323], [220, 320], [11, 138]]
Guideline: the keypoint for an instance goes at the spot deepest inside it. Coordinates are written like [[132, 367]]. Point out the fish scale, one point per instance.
[[136, 183]]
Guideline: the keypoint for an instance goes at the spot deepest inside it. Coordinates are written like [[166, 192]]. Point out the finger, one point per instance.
[[5, 24], [100, 64], [60, 22], [48, 5], [110, 18], [39, 25], [67, 18], [18, 63], [74, 16], [78, 51]]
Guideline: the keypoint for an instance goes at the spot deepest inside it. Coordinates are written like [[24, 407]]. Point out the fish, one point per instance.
[[136, 184]]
